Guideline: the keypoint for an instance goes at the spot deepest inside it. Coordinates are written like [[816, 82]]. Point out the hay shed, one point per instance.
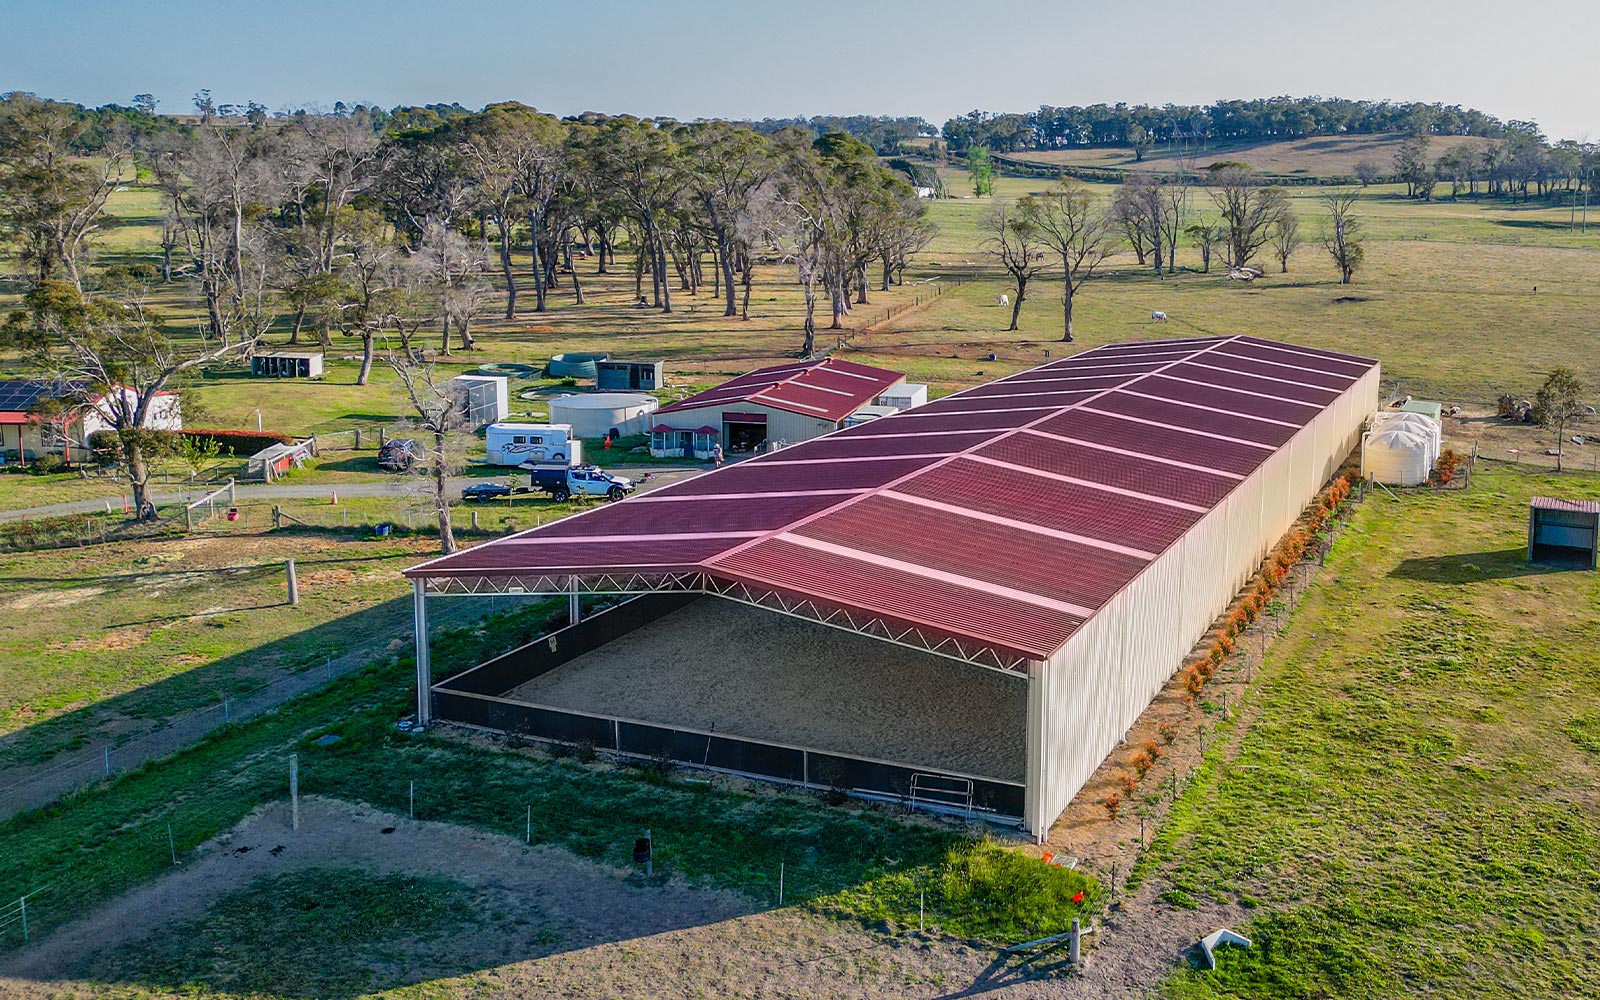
[[1564, 531]]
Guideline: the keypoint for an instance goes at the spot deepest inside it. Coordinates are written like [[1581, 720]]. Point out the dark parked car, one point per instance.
[[397, 455], [478, 492]]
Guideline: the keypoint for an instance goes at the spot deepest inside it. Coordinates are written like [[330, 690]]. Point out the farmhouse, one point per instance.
[[26, 432], [966, 604], [785, 403]]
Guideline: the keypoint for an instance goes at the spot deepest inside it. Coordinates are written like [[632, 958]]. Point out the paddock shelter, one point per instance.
[[966, 604]]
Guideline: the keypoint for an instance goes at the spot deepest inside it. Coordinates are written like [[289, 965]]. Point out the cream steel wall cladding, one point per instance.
[[1085, 698]]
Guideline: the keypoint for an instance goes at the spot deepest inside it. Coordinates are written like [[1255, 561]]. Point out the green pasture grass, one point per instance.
[[1414, 810], [103, 642], [315, 933], [1457, 318]]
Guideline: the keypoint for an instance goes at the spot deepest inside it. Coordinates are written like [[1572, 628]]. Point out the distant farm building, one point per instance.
[[963, 606], [629, 376], [781, 404], [286, 364], [26, 432]]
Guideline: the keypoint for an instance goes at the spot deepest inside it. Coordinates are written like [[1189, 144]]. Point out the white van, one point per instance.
[[532, 444]]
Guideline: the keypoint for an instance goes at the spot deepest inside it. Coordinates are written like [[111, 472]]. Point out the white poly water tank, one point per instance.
[[592, 414], [1419, 422], [1398, 454]]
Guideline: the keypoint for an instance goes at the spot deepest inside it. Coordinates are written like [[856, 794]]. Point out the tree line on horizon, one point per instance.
[[1141, 126]]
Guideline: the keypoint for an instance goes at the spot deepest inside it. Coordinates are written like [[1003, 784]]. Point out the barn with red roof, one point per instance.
[[782, 404], [965, 605]]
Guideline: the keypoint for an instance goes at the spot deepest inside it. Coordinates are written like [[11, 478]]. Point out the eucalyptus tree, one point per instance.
[[52, 202], [1341, 236], [637, 161], [802, 219], [112, 351], [1250, 210], [726, 164]]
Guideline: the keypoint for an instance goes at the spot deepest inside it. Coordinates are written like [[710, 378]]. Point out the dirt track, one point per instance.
[[591, 931]]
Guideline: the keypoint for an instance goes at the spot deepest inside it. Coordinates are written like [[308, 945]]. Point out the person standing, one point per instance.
[[716, 454]]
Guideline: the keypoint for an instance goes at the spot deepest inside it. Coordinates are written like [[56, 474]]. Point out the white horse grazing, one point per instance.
[[1005, 300], [1158, 317]]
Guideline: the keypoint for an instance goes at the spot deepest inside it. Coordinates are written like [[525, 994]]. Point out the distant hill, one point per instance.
[[1317, 156]]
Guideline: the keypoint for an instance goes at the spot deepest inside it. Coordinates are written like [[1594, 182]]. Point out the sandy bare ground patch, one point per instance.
[[594, 932], [724, 667]]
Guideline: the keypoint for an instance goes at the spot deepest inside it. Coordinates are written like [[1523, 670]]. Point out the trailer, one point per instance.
[[538, 444]]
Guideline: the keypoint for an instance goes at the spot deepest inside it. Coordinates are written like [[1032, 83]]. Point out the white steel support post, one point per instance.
[[1035, 789], [419, 611], [574, 610]]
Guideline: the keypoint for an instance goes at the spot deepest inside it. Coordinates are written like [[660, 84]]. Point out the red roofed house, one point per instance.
[[785, 403], [25, 433]]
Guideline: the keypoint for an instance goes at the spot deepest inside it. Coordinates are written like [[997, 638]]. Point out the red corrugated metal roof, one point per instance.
[[1002, 516], [829, 389], [1570, 506]]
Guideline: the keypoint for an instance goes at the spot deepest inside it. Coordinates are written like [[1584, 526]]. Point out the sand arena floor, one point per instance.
[[730, 668]]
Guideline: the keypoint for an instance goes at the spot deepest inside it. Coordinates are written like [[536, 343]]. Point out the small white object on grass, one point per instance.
[[1005, 300], [1216, 939], [1158, 316]]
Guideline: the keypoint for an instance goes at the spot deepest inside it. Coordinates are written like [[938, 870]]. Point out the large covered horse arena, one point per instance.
[[963, 606]]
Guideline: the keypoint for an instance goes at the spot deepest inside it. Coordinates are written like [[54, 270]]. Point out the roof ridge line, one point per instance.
[[999, 436]]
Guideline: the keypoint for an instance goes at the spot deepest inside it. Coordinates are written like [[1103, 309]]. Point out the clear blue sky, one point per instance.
[[754, 59]]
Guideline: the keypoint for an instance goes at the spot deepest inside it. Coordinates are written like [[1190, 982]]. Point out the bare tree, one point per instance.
[[1207, 238], [437, 411], [1250, 210], [1368, 173], [1341, 234], [1285, 238], [1015, 239], [1067, 222]]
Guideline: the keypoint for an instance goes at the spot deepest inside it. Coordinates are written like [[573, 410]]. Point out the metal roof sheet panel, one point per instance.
[[947, 542], [1166, 443], [1230, 400], [1011, 626], [1053, 503], [1125, 472], [1193, 418]]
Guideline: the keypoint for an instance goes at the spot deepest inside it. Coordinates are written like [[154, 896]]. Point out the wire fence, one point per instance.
[[926, 292], [181, 832], [26, 787]]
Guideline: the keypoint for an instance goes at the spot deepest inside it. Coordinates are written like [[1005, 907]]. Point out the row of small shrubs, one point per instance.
[[1249, 608], [238, 443]]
